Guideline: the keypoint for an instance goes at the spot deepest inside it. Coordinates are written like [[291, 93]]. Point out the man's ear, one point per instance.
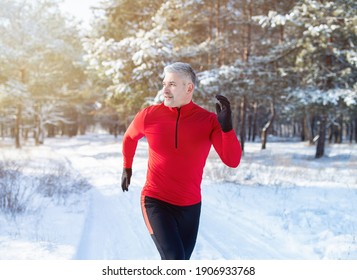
[[190, 88]]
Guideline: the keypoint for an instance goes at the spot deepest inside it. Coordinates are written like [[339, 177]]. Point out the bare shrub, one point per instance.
[[22, 191], [15, 194], [60, 182]]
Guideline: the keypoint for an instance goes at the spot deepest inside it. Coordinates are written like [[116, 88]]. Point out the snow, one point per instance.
[[280, 203]]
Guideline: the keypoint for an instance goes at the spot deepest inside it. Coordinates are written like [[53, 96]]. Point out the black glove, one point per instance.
[[125, 178], [224, 113]]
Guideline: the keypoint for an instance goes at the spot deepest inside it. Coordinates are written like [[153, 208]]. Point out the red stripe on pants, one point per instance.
[[146, 218]]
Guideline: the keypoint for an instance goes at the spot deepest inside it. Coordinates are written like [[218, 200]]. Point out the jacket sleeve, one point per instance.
[[131, 137], [226, 145]]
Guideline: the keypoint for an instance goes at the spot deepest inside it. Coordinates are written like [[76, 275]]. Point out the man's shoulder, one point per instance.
[[202, 110], [152, 108], [159, 108], [153, 111]]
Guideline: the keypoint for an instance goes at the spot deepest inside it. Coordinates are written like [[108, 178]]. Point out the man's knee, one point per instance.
[[173, 255], [169, 251]]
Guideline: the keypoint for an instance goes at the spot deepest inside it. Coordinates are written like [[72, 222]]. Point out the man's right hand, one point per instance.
[[125, 178]]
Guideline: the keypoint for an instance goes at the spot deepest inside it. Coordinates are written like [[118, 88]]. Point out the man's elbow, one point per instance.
[[234, 164], [235, 160]]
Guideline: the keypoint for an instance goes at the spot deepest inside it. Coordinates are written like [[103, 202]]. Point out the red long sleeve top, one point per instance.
[[179, 142]]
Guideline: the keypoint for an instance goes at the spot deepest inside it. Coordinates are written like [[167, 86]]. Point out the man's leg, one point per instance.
[[162, 225], [188, 223]]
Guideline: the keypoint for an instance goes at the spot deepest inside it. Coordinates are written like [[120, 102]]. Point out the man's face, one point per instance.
[[177, 90]]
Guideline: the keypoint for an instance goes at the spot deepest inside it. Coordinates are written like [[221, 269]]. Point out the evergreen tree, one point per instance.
[[41, 58], [321, 41]]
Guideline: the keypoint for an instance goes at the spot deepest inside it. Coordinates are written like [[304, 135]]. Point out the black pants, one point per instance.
[[173, 228]]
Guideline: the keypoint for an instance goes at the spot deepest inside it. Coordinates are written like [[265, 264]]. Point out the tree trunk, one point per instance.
[[351, 130], [311, 128], [248, 12], [304, 130], [266, 127], [250, 127], [18, 126], [222, 27], [355, 129], [243, 117], [320, 148], [247, 39], [236, 114], [255, 114], [39, 137], [50, 130], [219, 31], [210, 33], [18, 120], [340, 130]]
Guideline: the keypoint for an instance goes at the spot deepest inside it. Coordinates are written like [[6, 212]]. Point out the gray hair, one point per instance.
[[182, 68]]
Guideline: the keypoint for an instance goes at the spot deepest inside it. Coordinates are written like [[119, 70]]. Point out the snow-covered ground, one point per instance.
[[280, 203]]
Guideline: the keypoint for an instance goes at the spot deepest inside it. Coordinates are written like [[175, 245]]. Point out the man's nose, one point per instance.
[[165, 88]]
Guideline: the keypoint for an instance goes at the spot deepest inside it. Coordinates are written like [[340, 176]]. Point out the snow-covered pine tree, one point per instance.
[[323, 47], [40, 53]]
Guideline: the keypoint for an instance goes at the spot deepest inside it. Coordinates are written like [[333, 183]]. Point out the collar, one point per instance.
[[184, 108]]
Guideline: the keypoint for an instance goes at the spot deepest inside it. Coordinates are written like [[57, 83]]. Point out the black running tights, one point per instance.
[[173, 228]]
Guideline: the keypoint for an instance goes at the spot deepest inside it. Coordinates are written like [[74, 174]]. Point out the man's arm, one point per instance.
[[131, 137]]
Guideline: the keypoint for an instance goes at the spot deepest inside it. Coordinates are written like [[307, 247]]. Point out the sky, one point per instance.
[[80, 9]]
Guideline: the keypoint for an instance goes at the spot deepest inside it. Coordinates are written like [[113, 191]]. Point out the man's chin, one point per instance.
[[169, 103]]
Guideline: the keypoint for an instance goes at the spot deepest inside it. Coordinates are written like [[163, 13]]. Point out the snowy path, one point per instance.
[[113, 227]]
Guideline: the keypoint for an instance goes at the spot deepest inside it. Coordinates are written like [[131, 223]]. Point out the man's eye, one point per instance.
[[170, 85]]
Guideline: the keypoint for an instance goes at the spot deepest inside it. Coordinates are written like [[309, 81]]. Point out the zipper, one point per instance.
[[176, 132]]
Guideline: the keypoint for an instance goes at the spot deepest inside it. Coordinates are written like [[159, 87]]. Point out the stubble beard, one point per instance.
[[169, 102]]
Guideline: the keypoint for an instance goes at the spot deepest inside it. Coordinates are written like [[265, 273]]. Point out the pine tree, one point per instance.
[[321, 41], [41, 55]]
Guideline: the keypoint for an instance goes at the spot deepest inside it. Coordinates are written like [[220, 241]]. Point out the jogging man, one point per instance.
[[180, 135]]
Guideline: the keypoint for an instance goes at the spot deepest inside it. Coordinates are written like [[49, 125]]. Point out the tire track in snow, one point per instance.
[[113, 226], [108, 232]]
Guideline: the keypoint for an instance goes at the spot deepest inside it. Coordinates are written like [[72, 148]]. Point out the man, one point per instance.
[[180, 135]]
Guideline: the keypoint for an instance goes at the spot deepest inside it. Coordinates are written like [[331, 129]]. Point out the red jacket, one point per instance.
[[179, 142]]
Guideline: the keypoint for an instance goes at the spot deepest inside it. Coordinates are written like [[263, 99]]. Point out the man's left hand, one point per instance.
[[125, 178], [224, 113]]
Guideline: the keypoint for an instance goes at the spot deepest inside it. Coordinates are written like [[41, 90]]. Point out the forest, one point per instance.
[[287, 67]]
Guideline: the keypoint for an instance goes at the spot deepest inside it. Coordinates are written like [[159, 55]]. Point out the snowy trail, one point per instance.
[[109, 232], [113, 227]]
